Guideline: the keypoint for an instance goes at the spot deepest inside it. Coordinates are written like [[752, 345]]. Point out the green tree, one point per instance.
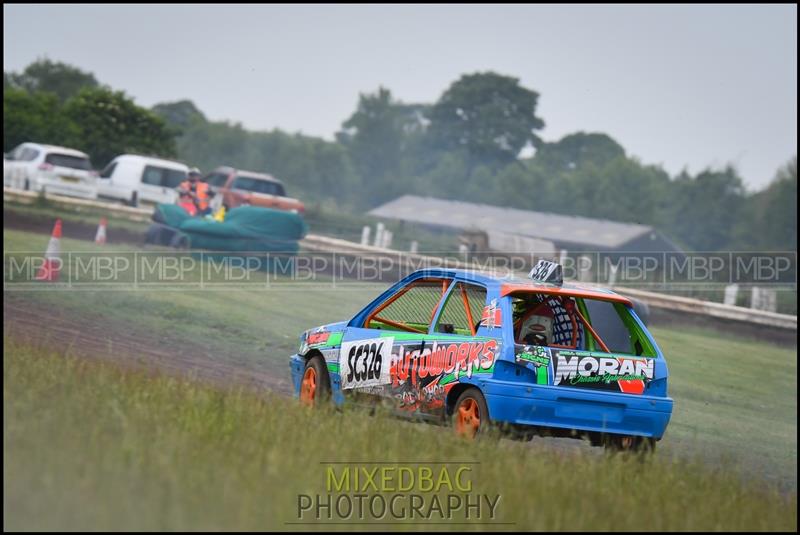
[[771, 215], [108, 123], [703, 210], [380, 136], [180, 114], [577, 150], [34, 117], [492, 116], [59, 78]]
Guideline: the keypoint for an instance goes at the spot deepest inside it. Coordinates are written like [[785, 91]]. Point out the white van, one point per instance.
[[60, 170], [131, 179]]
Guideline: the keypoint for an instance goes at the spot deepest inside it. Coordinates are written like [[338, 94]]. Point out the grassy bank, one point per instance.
[[89, 446]]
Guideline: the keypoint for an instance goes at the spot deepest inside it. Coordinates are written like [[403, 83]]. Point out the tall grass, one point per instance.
[[90, 446]]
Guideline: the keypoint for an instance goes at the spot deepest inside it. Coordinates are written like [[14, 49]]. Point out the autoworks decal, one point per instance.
[[423, 374], [602, 371], [417, 374]]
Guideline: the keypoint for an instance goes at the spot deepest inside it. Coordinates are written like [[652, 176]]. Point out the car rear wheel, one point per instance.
[[629, 443], [470, 414], [134, 202], [315, 387]]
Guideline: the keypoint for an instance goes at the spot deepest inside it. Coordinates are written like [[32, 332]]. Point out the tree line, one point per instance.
[[468, 145]]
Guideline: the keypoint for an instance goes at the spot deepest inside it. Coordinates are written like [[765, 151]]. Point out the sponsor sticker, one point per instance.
[[534, 354], [365, 363], [318, 338], [623, 373], [492, 316]]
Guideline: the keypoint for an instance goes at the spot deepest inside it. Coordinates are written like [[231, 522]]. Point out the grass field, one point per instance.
[[89, 446]]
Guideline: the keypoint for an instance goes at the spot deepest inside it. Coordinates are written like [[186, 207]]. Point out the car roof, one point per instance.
[[152, 159], [54, 148], [507, 284], [248, 174]]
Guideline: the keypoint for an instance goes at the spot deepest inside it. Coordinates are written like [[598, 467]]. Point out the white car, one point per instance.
[[60, 170], [131, 178]]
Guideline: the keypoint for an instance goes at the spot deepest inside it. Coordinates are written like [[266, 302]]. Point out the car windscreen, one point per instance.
[[67, 160], [217, 179], [257, 185], [109, 170]]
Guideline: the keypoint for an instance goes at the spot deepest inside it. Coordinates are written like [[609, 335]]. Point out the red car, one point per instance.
[[239, 187]]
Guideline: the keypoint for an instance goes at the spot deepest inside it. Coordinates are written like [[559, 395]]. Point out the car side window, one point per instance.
[[173, 178], [462, 311], [547, 320], [411, 309], [152, 175], [613, 324]]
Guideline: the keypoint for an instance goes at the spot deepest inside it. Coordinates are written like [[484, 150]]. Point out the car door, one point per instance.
[[152, 185], [464, 341], [383, 356]]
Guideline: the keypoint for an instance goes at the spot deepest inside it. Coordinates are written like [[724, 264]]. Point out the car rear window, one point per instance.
[[67, 160], [258, 185]]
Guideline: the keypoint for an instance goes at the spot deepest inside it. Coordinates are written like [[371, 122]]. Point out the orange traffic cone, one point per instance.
[[100, 237], [51, 268]]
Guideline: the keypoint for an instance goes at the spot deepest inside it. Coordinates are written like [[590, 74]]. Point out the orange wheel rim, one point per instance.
[[627, 443], [308, 388], [468, 418]]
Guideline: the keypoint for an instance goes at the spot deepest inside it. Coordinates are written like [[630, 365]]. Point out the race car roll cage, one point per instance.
[[567, 302]]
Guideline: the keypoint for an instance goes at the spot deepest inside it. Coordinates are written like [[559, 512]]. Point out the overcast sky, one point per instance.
[[681, 86]]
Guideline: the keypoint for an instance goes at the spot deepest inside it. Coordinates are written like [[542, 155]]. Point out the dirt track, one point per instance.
[[104, 340], [17, 220]]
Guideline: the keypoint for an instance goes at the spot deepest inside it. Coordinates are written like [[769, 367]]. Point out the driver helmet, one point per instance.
[[538, 321], [194, 173]]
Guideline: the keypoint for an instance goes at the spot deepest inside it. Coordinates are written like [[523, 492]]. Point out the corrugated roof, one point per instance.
[[553, 227]]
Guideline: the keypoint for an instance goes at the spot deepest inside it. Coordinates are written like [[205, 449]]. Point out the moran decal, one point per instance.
[[628, 374]]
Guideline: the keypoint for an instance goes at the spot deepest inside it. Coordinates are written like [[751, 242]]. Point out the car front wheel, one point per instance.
[[315, 387]]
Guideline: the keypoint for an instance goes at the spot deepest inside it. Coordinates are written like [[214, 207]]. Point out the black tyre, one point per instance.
[[315, 387], [629, 443], [134, 199], [470, 414]]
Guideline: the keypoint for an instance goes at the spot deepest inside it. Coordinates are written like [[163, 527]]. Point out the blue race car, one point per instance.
[[530, 356]]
